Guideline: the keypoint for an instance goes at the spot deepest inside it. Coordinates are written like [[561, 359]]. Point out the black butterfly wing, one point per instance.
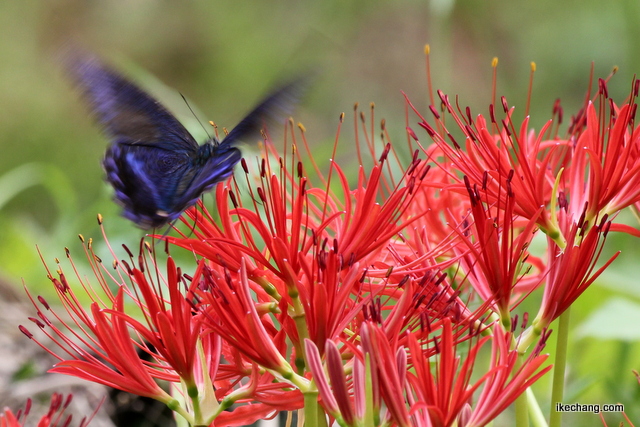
[[155, 166], [150, 152], [145, 181], [156, 186], [128, 114], [215, 163], [273, 110], [212, 165]]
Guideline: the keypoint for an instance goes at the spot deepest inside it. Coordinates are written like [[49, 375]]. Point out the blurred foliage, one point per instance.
[[224, 54]]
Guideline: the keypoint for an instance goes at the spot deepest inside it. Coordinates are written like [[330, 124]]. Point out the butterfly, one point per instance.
[[154, 164]]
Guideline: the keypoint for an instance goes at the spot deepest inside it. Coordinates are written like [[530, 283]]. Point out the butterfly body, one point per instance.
[[155, 166], [154, 185]]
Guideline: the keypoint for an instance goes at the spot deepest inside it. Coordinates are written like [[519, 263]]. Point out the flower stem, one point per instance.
[[197, 412], [368, 391], [522, 407], [175, 407], [311, 407], [300, 319], [537, 417], [528, 337], [557, 393]]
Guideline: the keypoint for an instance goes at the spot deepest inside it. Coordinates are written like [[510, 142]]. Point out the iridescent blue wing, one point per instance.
[[145, 181], [129, 115], [274, 109], [155, 166], [150, 154], [213, 164]]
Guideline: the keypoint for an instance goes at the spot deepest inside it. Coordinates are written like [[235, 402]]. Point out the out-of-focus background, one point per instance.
[[224, 54]]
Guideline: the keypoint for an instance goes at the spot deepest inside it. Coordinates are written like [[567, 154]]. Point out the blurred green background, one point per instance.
[[223, 55]]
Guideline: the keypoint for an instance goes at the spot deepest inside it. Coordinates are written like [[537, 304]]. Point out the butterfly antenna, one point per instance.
[[154, 257], [166, 232], [195, 116], [195, 218], [172, 225]]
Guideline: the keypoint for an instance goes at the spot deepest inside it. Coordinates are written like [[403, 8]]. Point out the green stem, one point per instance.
[[528, 337], [526, 406], [537, 417], [522, 406], [370, 414], [195, 403], [311, 412], [300, 319], [559, 366], [554, 231], [175, 407]]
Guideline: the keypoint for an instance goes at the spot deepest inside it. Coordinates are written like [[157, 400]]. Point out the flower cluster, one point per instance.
[[55, 416], [386, 298]]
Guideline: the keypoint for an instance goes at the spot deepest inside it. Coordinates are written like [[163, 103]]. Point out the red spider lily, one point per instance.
[[265, 396], [415, 396], [414, 391], [299, 223], [307, 249], [352, 398], [366, 304], [439, 397], [389, 363], [508, 377], [495, 259], [572, 270], [55, 417], [604, 174], [102, 350], [336, 399], [120, 366], [420, 306], [596, 166], [442, 395], [172, 332], [409, 312], [230, 312], [112, 347], [429, 243], [8, 419], [491, 159]]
